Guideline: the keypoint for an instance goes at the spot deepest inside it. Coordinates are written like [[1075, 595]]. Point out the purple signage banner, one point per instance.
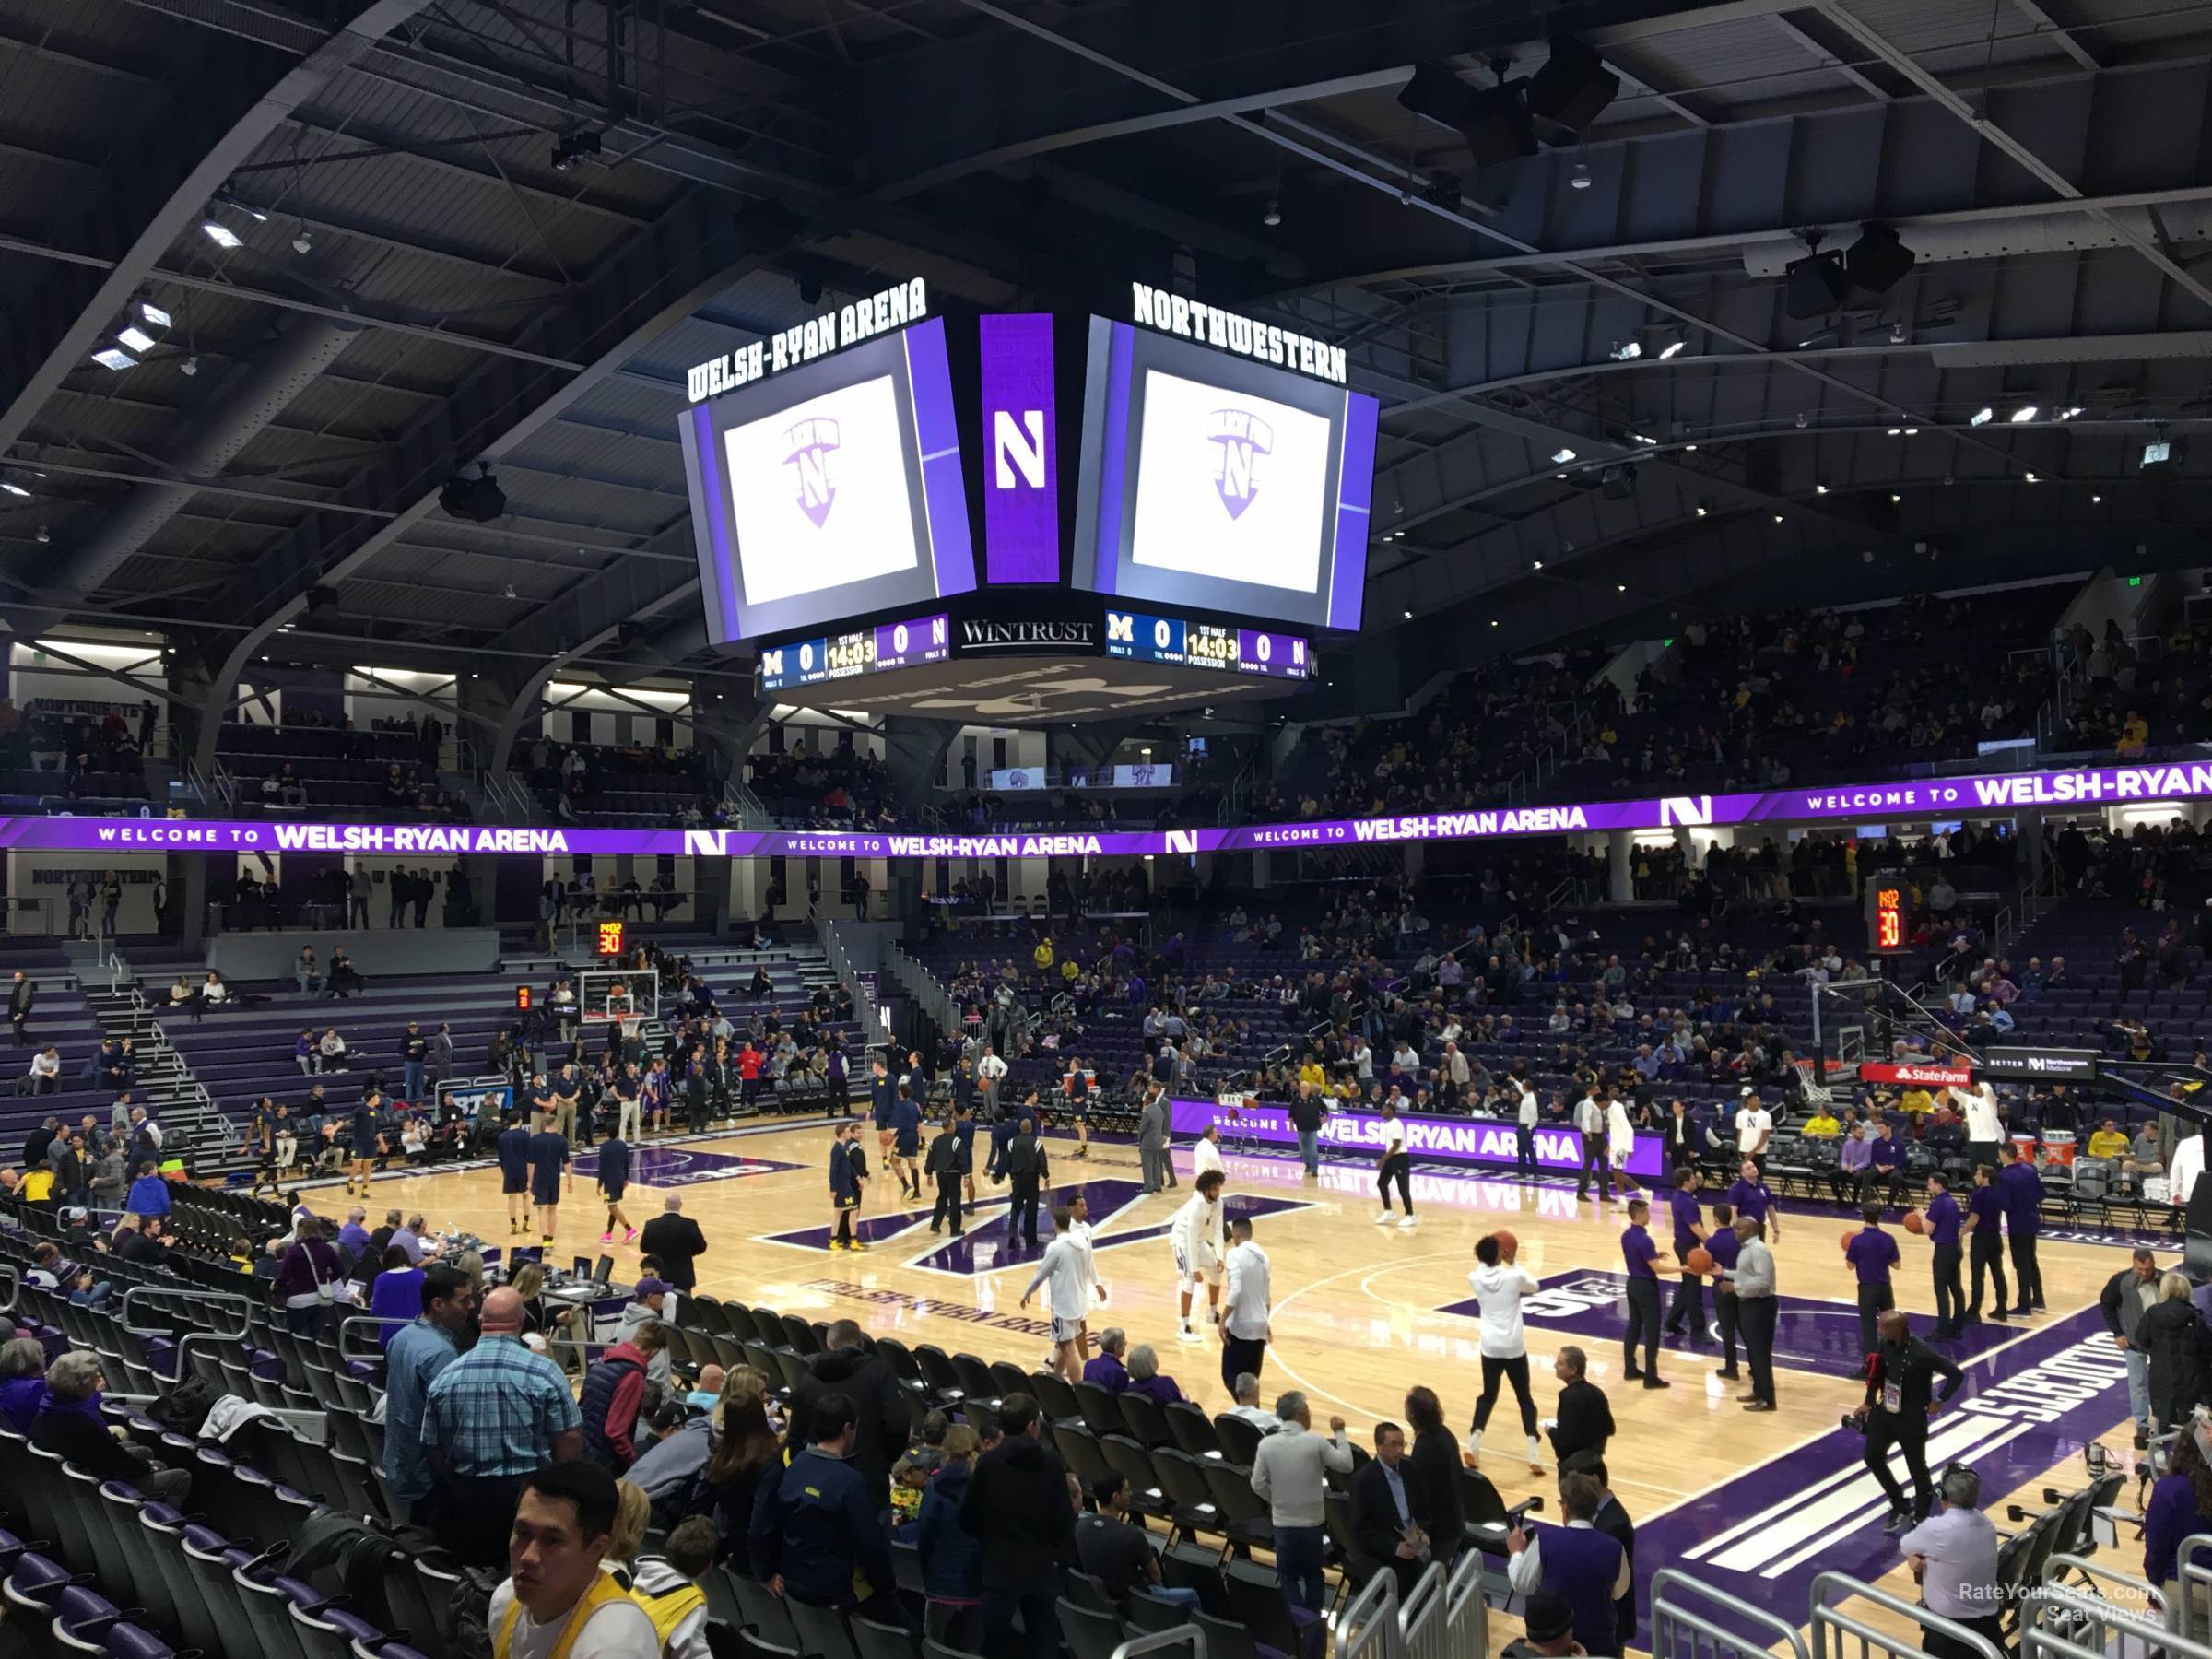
[[1284, 655], [1998, 795], [904, 644], [1021, 466], [1470, 1141]]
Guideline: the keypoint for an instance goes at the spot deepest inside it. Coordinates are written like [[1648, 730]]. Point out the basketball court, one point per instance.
[[1758, 1504]]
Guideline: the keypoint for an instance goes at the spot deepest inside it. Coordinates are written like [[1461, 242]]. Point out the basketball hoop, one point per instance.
[[1814, 1091]]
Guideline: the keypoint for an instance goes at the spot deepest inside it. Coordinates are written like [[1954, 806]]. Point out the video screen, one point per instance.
[[829, 490], [1216, 484]]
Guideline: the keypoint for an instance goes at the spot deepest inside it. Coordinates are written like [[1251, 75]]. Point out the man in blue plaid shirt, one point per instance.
[[493, 1417]]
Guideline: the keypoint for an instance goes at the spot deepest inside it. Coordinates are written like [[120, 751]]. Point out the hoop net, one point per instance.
[[630, 996], [1816, 1092]]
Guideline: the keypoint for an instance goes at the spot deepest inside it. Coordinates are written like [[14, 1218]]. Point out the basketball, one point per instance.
[[1508, 1245], [1849, 1234], [1698, 1260], [1915, 1223]]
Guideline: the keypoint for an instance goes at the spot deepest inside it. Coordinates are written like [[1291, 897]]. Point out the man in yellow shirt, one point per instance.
[[1916, 1100], [1822, 1125], [1311, 1072], [1042, 955], [2107, 1142]]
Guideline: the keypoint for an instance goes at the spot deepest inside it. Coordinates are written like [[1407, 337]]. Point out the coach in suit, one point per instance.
[[1383, 1531]]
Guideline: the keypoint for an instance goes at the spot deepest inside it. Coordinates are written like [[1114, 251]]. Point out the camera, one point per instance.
[[1855, 1421]]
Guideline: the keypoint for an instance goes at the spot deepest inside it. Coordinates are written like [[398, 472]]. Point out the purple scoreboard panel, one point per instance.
[[856, 651], [831, 491], [1021, 450], [1214, 483], [1148, 638]]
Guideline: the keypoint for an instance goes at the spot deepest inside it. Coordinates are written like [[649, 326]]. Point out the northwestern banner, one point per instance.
[[1919, 800], [1477, 1141]]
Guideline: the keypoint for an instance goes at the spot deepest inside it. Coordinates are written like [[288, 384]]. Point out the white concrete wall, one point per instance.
[[45, 875]]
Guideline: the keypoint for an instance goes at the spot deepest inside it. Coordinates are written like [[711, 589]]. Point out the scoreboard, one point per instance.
[[1189, 644], [875, 650]]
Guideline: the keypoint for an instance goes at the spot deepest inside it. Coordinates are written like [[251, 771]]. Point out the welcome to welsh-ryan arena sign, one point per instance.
[[1919, 799]]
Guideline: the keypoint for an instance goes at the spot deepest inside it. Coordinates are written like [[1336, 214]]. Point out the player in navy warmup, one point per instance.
[[1645, 1262], [549, 1165], [613, 1179], [906, 1143], [1943, 1217], [1984, 1244], [513, 1151], [845, 1185]]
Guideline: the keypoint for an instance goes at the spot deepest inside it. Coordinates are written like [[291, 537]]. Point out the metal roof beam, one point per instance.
[[223, 102]]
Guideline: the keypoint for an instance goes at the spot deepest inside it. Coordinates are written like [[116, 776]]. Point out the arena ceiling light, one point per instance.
[[115, 357], [152, 315], [220, 234], [2024, 413], [1628, 353], [1560, 457], [1672, 350], [2068, 414], [1983, 417], [14, 488], [136, 338]]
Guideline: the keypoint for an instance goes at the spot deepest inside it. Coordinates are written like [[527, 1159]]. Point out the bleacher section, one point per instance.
[[391, 774]]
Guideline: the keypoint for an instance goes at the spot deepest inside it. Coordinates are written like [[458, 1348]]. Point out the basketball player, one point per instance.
[[1079, 1228], [614, 1180], [513, 1152], [1198, 1236], [883, 1095], [1205, 1154], [844, 1187], [1499, 1284], [1078, 1085], [906, 1143], [1062, 1264], [365, 1142], [549, 1165], [1394, 1165]]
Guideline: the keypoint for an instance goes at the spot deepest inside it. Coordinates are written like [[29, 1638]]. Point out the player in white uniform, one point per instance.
[[1079, 1228], [1199, 1237], [1205, 1153], [1064, 1266]]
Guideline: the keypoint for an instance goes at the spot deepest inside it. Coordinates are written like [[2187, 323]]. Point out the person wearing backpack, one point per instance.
[[614, 1395]]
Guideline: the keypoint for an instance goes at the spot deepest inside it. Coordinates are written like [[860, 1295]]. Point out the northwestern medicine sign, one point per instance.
[[1850, 803]]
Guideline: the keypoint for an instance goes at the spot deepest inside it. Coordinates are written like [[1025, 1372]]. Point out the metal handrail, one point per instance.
[[1363, 1628], [2192, 1614], [1828, 1619], [1706, 1634], [1152, 1642], [2089, 1600], [197, 1296]]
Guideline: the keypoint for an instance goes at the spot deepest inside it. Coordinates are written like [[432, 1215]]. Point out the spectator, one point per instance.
[[746, 1455], [1583, 1564], [1107, 1368], [308, 1278], [22, 1381], [1016, 1508], [413, 1359], [395, 1293], [558, 1599], [614, 1393], [2180, 1347], [817, 1529], [867, 1384], [494, 1416], [1547, 1629], [1435, 1463], [69, 1424], [1118, 1554], [1384, 1533], [666, 1587], [1289, 1473], [952, 1561], [1145, 1377], [1248, 1406], [149, 1193]]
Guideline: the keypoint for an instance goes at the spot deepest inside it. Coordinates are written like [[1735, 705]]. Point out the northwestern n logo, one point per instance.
[[1242, 442], [706, 843], [812, 459], [1684, 811]]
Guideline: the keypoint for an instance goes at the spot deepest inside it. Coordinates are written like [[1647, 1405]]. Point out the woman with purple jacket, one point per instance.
[[1145, 1377]]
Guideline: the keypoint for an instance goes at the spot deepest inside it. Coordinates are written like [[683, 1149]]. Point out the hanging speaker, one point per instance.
[[1814, 286], [1877, 261], [1573, 86]]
